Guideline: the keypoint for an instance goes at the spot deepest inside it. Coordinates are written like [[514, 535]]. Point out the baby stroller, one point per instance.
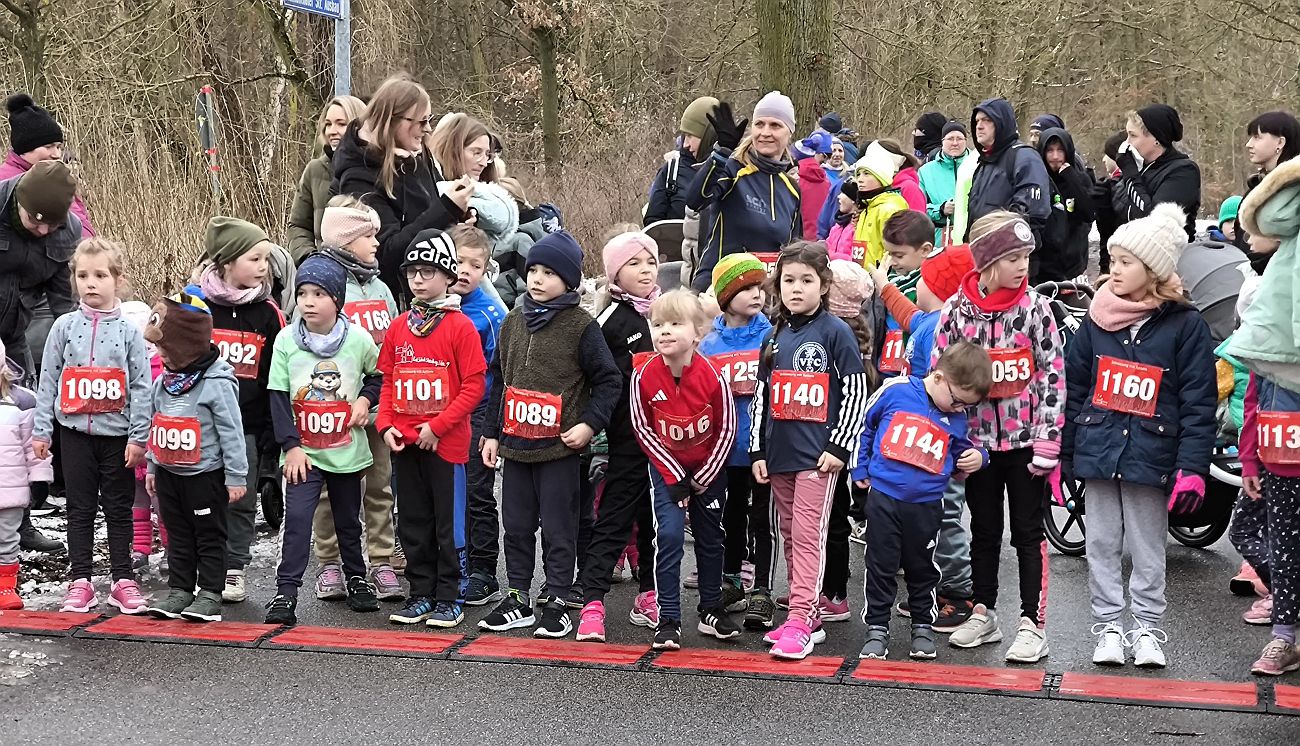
[[1065, 525]]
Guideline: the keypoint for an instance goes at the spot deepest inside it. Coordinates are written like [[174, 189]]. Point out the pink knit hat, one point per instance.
[[851, 285], [340, 226], [621, 248]]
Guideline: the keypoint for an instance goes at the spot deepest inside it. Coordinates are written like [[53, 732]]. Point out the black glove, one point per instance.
[[1067, 470], [725, 126], [1127, 163], [858, 503], [681, 491]]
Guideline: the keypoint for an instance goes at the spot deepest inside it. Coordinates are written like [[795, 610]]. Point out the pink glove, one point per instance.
[[1188, 493], [1047, 456], [1054, 481]]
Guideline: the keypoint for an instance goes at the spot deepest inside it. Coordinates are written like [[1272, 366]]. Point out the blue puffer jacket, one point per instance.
[[1106, 444], [722, 340]]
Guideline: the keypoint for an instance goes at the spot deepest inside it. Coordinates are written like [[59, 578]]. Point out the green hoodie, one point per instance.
[[939, 182]]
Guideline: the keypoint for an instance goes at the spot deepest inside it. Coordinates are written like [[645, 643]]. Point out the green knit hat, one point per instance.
[[695, 120], [735, 272], [1228, 210], [230, 238]]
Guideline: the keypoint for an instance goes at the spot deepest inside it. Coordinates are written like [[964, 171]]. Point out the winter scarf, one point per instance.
[[425, 315], [177, 382], [1112, 313], [321, 345], [640, 305], [216, 289], [996, 301], [768, 165], [537, 315], [363, 271], [96, 314]]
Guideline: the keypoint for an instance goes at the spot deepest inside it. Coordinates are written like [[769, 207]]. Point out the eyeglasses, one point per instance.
[[426, 123], [424, 273], [480, 153], [955, 400]]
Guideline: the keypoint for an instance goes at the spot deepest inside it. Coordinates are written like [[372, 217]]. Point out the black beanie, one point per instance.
[[30, 126], [1163, 123], [954, 127]]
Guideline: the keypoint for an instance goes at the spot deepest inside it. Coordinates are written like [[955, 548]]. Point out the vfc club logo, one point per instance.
[[810, 357]]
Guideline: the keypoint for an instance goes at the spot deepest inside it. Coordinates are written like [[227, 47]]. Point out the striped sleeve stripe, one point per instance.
[[756, 413], [726, 436], [853, 411], [856, 452], [650, 443]]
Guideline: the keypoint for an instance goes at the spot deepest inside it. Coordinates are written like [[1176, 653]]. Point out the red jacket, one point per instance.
[[444, 369], [814, 188], [687, 427]]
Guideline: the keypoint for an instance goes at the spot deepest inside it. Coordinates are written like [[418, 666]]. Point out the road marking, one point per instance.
[[1179, 693], [944, 676], [745, 662]]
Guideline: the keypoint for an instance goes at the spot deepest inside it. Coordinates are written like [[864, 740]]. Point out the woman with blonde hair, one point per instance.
[[303, 233]]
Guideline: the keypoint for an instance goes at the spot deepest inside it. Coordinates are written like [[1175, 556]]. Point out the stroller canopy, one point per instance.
[[1212, 280]]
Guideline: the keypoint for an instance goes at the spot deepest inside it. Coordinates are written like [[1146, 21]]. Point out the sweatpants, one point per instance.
[[194, 511], [426, 493], [1126, 518], [1249, 534], [377, 507], [96, 478], [900, 534], [482, 525], [587, 496], [241, 519], [142, 512], [344, 491], [10, 520], [835, 578], [625, 500], [1282, 494], [543, 494], [706, 511], [953, 553], [1008, 473], [748, 524], [803, 506]]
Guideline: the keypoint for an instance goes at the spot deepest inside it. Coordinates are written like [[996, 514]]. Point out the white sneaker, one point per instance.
[[980, 629], [1110, 644], [234, 591], [1145, 642], [1030, 645]]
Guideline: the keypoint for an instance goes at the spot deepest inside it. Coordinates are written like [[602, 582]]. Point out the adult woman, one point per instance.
[[1163, 173], [314, 187], [35, 136], [756, 201], [836, 167], [939, 179], [1271, 138], [384, 159]]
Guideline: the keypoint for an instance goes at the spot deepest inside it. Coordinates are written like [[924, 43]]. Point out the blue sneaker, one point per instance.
[[445, 615], [416, 610]]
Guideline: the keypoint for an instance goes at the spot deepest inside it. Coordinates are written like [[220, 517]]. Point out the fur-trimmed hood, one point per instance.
[[1285, 175]]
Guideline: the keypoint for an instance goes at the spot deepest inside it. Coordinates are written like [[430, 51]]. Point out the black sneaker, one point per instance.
[[733, 595], [482, 589], [761, 613], [362, 595], [574, 599], [512, 613], [544, 596], [668, 635], [953, 612], [555, 621], [922, 642], [281, 610], [716, 623]]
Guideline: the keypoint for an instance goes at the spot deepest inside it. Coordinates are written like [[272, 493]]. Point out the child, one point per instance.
[[433, 369], [236, 284], [145, 509], [806, 418], [914, 442], [733, 346], [1226, 230], [877, 200], [323, 381], [684, 418], [554, 385], [348, 230], [19, 467], [197, 460], [908, 238], [632, 269], [1020, 424], [94, 387], [1141, 369]]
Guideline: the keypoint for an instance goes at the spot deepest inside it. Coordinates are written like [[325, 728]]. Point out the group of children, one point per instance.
[[895, 392]]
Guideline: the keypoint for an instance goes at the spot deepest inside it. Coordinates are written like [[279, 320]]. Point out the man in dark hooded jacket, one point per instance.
[[1010, 175], [1164, 174], [1064, 250]]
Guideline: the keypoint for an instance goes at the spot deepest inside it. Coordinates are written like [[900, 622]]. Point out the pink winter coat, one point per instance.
[[908, 183], [839, 243], [19, 466], [14, 165], [814, 188]]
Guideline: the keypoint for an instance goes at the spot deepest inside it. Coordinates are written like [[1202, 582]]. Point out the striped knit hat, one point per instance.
[[735, 272]]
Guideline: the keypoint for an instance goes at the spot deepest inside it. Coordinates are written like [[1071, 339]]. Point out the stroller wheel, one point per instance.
[[272, 500], [1201, 537], [1064, 526]]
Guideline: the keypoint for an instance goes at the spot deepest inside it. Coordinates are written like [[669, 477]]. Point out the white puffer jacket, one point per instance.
[[19, 466]]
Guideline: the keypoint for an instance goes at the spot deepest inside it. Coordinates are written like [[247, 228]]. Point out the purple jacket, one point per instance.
[[14, 165]]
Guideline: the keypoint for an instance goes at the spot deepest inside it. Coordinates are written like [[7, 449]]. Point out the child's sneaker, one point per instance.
[[387, 586], [818, 633], [1279, 657], [796, 641], [953, 612], [1260, 612], [1146, 642], [591, 622], [171, 606], [80, 596], [980, 629], [1110, 644], [416, 610], [512, 613], [446, 615], [618, 576], [482, 589], [361, 595], [1247, 582], [716, 623], [645, 612], [329, 583], [555, 621], [783, 602], [922, 643], [858, 533], [234, 591], [205, 608], [1030, 645], [398, 560], [9, 598], [733, 594], [761, 612], [692, 579], [835, 609], [281, 610], [877, 645], [126, 596], [574, 599], [668, 635]]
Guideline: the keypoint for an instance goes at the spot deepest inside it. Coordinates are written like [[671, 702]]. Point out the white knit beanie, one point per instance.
[[1156, 240], [777, 106]]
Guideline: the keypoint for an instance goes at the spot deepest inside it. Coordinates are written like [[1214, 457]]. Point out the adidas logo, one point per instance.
[[661, 396], [944, 420], [930, 545], [713, 505]]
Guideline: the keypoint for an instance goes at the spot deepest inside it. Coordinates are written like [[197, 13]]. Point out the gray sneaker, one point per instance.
[[923, 642], [877, 645], [980, 629], [171, 606], [205, 608], [387, 586]]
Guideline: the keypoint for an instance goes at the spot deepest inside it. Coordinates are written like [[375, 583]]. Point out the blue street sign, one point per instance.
[[328, 8]]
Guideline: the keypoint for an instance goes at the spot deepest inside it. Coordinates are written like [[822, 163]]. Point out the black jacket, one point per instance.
[[1064, 253], [1011, 176], [668, 196], [626, 333], [255, 318], [1103, 191], [1173, 177]]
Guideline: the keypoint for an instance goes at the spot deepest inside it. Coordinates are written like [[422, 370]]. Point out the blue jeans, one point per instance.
[[670, 536]]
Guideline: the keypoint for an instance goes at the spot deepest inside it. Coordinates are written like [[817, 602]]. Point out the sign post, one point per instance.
[[341, 12]]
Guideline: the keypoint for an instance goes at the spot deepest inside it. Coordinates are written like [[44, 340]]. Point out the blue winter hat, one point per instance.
[[557, 251], [1046, 122], [325, 273], [818, 143]]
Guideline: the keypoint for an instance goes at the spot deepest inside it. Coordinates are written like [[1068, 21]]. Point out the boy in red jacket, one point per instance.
[[434, 377], [684, 417]]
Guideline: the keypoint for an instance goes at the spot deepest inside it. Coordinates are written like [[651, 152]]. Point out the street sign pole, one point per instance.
[[340, 11]]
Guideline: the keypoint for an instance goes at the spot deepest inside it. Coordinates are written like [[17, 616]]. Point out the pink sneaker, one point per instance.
[[1247, 582], [126, 596], [835, 609], [692, 579], [81, 596], [1260, 612], [818, 633], [796, 641], [591, 622], [645, 612]]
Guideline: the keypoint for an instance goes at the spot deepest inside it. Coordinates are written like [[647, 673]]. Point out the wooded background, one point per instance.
[[586, 93]]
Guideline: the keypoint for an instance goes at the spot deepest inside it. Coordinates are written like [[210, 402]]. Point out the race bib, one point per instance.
[[532, 415], [1124, 386], [682, 433], [893, 355], [243, 350], [769, 259], [1279, 437], [89, 390], [739, 370], [1012, 369], [797, 395], [323, 424], [859, 251], [639, 359], [420, 389], [174, 441], [915, 440], [371, 315]]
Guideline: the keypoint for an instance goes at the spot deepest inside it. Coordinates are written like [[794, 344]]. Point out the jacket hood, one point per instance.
[[1056, 133], [811, 172], [1004, 121], [907, 175], [742, 336], [1273, 207]]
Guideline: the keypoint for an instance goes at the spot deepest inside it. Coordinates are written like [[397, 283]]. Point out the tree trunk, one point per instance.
[[794, 46], [544, 37], [31, 46]]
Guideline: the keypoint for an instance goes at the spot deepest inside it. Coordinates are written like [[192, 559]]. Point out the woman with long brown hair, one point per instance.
[[303, 233]]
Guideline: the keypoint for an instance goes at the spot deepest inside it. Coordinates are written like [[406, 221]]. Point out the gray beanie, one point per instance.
[[777, 106]]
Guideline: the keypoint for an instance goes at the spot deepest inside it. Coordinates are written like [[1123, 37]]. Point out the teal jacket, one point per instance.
[[939, 182]]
